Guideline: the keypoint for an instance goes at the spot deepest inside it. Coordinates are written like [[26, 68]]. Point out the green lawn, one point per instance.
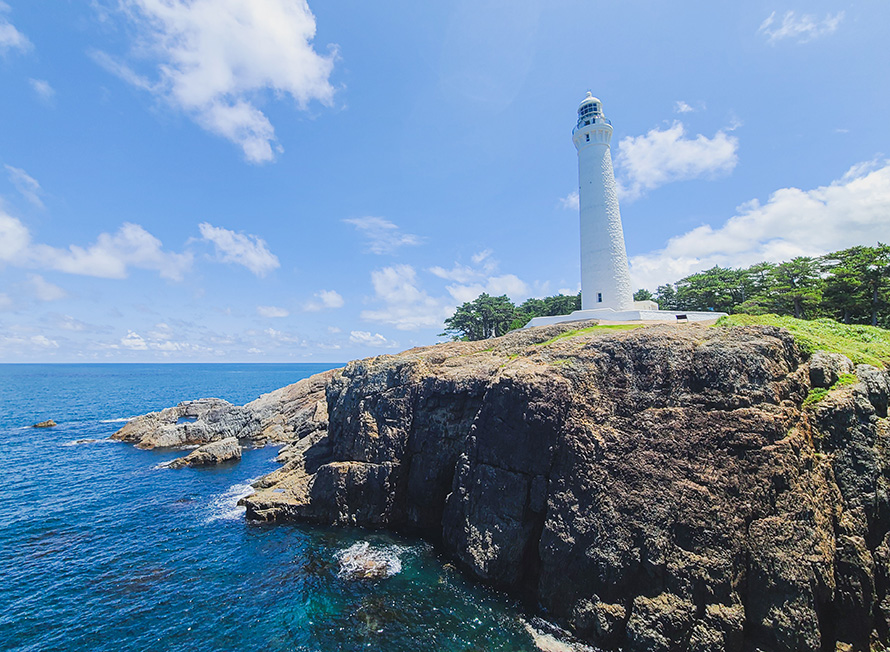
[[591, 329], [862, 344]]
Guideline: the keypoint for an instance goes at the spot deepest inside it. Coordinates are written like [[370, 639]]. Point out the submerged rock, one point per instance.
[[653, 489], [49, 423], [218, 452]]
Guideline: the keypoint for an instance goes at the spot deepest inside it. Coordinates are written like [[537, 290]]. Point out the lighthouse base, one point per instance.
[[608, 314]]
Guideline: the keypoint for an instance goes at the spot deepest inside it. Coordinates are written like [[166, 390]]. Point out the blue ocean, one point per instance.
[[102, 550]]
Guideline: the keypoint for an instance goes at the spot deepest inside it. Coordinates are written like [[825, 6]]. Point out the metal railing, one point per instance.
[[586, 122]]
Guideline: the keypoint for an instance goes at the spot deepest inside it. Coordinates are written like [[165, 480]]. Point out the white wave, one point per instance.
[[547, 637], [361, 561], [119, 420], [225, 507], [82, 442]]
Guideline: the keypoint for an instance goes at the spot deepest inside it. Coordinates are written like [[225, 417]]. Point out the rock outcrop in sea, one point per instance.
[[216, 452], [664, 488]]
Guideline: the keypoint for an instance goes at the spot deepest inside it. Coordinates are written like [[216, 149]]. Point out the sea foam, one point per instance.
[[225, 507], [361, 561]]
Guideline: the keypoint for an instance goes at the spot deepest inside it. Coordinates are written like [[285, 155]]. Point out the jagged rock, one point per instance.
[[826, 368], [287, 414], [49, 423], [217, 452], [660, 488], [877, 385]]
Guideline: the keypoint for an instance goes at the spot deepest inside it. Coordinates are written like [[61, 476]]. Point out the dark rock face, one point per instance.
[[656, 489]]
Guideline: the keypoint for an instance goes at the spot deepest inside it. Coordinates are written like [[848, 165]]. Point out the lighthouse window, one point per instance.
[[588, 138], [599, 297]]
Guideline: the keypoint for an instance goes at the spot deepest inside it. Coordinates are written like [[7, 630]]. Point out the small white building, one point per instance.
[[606, 292]]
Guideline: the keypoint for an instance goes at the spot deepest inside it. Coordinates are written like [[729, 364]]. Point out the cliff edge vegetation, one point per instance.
[[660, 488]]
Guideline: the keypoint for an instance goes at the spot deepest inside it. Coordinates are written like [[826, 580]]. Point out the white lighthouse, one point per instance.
[[605, 279]]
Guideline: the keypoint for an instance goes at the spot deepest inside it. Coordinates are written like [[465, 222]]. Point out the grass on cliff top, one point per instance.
[[862, 344], [591, 329]]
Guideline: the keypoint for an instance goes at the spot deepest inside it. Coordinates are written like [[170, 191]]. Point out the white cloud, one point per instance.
[[43, 342], [280, 337], [44, 290], [572, 201], [15, 239], [470, 282], [483, 257], [508, 284], [365, 338], [851, 211], [406, 306], [10, 37], [112, 254], [459, 273], [666, 155], [134, 341], [215, 58], [43, 89], [272, 312], [684, 107], [109, 257], [802, 28], [5, 301], [27, 185], [161, 331], [326, 299], [247, 250], [383, 237]]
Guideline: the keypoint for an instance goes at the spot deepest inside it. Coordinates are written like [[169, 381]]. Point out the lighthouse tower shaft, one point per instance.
[[605, 279]]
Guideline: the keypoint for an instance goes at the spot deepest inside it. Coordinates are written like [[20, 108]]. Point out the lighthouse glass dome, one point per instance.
[[591, 112]]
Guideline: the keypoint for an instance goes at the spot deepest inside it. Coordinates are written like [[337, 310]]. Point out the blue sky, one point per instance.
[[270, 180]]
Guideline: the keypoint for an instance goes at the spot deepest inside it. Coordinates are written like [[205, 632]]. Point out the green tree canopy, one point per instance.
[[482, 318]]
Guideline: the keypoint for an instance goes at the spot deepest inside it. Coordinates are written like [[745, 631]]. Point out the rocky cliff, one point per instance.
[[663, 488]]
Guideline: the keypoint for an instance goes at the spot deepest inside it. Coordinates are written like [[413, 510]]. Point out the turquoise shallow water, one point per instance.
[[101, 550]]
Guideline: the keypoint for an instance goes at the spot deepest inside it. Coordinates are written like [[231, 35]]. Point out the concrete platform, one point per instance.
[[609, 315]]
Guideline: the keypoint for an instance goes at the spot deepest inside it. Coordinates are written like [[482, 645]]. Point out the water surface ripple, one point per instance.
[[101, 550]]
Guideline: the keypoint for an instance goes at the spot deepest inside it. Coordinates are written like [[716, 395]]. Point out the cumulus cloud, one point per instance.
[[44, 290], [365, 338], [214, 59], [571, 202], [801, 28], [247, 250], [471, 281], [10, 37], [27, 185], [110, 256], [134, 341], [43, 89], [793, 222], [324, 299], [272, 312], [406, 306], [382, 236], [666, 155]]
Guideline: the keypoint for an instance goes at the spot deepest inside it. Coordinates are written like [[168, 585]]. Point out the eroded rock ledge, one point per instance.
[[655, 489]]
